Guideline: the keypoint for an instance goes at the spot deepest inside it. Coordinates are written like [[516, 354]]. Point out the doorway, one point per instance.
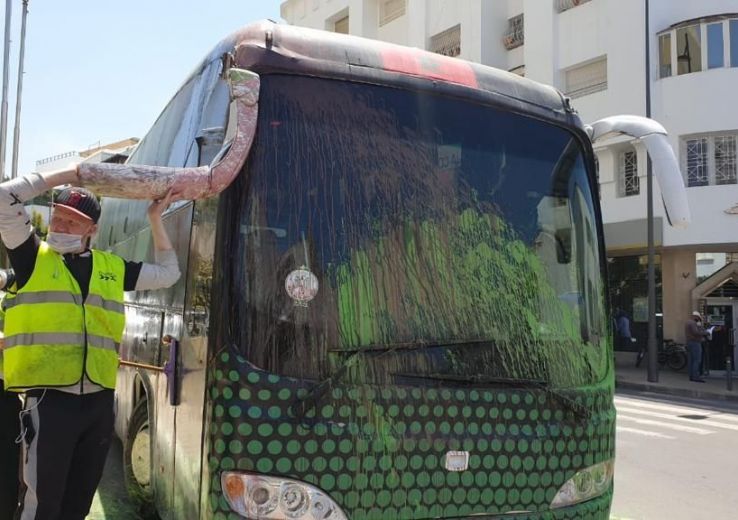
[[722, 344]]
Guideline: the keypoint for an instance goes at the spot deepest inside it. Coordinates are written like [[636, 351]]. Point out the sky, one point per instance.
[[101, 71]]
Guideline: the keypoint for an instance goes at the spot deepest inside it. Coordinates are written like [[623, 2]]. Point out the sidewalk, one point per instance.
[[627, 376]]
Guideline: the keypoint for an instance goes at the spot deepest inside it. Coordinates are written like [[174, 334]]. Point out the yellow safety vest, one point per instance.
[[3, 301], [52, 337]]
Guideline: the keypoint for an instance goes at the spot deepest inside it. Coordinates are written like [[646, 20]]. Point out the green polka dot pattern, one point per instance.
[[380, 452]]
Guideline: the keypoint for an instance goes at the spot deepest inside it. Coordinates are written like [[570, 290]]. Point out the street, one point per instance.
[[675, 459], [111, 501]]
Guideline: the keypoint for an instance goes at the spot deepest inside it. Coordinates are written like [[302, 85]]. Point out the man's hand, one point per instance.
[[159, 206], [158, 233]]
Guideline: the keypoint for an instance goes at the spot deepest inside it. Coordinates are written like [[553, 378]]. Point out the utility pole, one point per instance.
[[16, 132], [653, 368], [6, 71]]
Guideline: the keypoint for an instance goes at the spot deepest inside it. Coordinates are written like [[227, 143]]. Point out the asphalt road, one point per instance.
[[675, 459], [111, 500]]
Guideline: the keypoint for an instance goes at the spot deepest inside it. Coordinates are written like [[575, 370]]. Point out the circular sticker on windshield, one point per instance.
[[301, 285]]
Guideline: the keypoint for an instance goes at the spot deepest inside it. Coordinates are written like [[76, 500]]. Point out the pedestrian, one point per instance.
[[62, 334], [695, 334], [622, 322], [10, 407]]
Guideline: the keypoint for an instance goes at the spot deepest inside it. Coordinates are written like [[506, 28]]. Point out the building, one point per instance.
[[595, 51], [116, 152]]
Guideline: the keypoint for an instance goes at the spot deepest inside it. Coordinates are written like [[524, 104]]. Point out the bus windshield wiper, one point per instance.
[[411, 345], [480, 379], [315, 394]]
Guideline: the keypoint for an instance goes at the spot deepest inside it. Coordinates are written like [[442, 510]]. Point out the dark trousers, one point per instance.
[[694, 349], [65, 442], [10, 405]]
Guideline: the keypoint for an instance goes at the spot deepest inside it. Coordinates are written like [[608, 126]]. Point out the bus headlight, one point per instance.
[[586, 484], [260, 497]]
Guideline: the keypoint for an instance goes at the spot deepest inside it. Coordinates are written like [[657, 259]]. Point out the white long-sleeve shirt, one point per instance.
[[16, 229]]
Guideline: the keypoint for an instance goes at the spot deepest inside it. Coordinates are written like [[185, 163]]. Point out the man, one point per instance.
[[10, 407], [62, 332], [695, 335]]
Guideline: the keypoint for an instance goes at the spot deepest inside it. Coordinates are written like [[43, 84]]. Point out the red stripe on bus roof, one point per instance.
[[428, 65]]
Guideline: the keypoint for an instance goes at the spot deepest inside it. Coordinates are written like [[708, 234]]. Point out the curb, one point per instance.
[[681, 392]]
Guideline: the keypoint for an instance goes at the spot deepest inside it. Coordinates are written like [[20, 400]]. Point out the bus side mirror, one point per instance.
[[665, 165], [130, 181]]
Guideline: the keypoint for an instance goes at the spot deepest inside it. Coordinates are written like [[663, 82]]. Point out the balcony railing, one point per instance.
[[514, 37], [565, 5]]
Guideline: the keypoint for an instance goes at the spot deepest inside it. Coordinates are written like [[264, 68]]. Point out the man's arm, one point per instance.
[[15, 225], [165, 271]]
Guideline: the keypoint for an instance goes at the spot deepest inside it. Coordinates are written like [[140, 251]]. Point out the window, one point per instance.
[[696, 161], [398, 229], [665, 55], [720, 47], [341, 25], [689, 49], [447, 42], [725, 159], [715, 45], [587, 79], [514, 37], [390, 10], [628, 181], [710, 160]]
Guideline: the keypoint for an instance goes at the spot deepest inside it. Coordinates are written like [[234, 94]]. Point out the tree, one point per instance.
[[37, 221]]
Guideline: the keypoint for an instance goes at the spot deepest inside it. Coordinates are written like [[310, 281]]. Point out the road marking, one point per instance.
[[725, 416], [678, 427], [647, 433], [704, 422]]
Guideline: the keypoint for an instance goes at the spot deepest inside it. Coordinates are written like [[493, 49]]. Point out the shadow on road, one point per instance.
[[111, 500]]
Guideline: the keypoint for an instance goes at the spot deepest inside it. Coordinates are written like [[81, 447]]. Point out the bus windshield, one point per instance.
[[412, 238]]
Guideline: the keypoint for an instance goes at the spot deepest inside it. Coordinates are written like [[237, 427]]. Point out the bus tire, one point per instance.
[[137, 470]]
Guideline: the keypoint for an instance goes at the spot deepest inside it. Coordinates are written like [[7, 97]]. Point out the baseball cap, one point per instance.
[[80, 201], [695, 313]]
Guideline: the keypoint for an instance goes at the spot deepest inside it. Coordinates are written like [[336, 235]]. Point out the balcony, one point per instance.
[[514, 37], [565, 5]]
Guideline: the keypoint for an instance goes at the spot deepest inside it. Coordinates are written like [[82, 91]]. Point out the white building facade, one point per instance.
[[595, 51]]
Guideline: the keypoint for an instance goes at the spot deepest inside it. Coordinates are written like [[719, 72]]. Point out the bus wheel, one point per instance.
[[137, 461]]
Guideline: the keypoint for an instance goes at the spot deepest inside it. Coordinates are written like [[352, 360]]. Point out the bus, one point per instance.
[[396, 309]]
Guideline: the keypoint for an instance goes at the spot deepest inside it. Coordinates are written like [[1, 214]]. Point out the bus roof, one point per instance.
[[269, 47]]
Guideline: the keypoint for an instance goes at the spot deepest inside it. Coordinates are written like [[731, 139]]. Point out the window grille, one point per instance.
[[447, 42], [514, 37], [629, 182], [390, 10], [341, 25], [587, 79], [696, 162], [725, 159], [565, 5]]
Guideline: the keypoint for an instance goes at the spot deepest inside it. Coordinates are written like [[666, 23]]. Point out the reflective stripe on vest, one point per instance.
[[47, 324], [52, 339], [65, 297]]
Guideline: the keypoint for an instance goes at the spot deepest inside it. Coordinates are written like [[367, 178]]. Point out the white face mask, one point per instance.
[[64, 243]]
